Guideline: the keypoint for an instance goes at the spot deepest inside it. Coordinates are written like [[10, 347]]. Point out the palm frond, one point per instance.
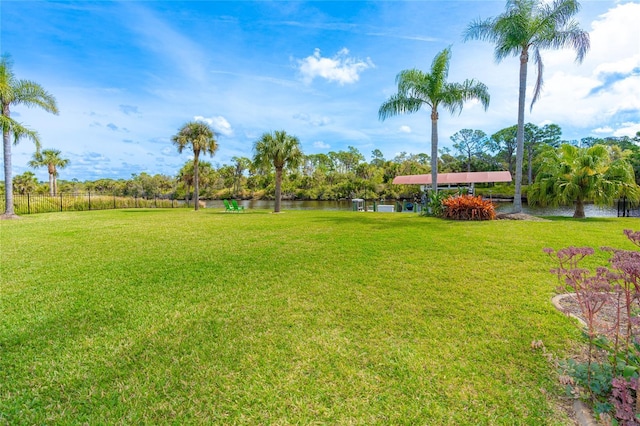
[[277, 149], [480, 29], [18, 131], [29, 93], [398, 104], [537, 59]]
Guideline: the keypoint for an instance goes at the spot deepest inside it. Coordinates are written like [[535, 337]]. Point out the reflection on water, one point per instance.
[[504, 207]]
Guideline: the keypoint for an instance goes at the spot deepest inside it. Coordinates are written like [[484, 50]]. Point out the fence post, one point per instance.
[[28, 203], [89, 193], [61, 201]]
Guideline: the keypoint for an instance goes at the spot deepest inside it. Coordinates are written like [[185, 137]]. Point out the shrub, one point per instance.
[[611, 388], [468, 207]]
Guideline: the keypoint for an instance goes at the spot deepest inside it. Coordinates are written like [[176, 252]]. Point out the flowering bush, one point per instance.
[[611, 388]]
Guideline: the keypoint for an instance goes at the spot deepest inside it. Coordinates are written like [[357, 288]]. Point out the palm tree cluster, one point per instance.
[[597, 173], [51, 159]]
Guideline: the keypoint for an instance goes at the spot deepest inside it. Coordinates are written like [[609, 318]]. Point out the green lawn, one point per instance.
[[304, 317]]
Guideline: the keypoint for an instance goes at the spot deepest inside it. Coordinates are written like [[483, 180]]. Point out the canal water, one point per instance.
[[503, 207]]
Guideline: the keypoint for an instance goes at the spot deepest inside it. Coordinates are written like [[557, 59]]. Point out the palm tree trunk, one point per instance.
[[579, 212], [51, 168], [196, 185], [434, 150], [278, 189], [52, 185], [517, 198], [469, 164], [8, 183]]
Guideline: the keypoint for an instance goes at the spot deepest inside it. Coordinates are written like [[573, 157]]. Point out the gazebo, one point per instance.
[[449, 179]]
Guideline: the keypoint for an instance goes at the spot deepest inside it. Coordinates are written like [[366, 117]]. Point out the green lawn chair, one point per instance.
[[236, 207], [227, 206]]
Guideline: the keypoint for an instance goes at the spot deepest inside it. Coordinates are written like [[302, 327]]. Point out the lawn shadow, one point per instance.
[[135, 210], [384, 220]]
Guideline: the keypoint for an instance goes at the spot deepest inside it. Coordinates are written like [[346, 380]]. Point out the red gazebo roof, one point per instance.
[[454, 178]]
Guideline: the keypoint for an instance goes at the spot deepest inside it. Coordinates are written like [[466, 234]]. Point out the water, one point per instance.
[[590, 210], [345, 205]]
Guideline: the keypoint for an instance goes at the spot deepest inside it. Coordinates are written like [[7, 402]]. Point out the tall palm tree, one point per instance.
[[417, 89], [528, 26], [17, 92], [279, 150], [201, 139], [52, 160], [574, 175]]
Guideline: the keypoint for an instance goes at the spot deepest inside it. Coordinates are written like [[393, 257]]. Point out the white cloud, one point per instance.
[[340, 68], [405, 129], [219, 124], [321, 145], [603, 130], [627, 129]]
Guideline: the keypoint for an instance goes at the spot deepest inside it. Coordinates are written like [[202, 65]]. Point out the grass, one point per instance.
[[305, 317]]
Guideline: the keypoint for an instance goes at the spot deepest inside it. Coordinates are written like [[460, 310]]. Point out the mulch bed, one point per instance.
[[606, 318]]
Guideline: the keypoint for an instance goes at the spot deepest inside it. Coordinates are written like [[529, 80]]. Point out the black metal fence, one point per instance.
[[627, 208], [44, 203]]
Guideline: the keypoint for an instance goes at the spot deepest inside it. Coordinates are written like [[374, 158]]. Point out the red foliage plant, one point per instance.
[[468, 207], [618, 284]]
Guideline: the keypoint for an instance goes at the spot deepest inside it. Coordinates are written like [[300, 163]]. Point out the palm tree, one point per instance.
[[52, 160], [17, 92], [279, 150], [570, 174], [201, 138], [25, 183], [186, 175], [417, 89], [527, 26]]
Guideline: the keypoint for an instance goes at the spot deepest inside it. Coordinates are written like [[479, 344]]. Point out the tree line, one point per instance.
[[336, 174]]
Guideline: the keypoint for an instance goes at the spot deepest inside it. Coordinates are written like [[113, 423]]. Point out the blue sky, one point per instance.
[[128, 74]]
